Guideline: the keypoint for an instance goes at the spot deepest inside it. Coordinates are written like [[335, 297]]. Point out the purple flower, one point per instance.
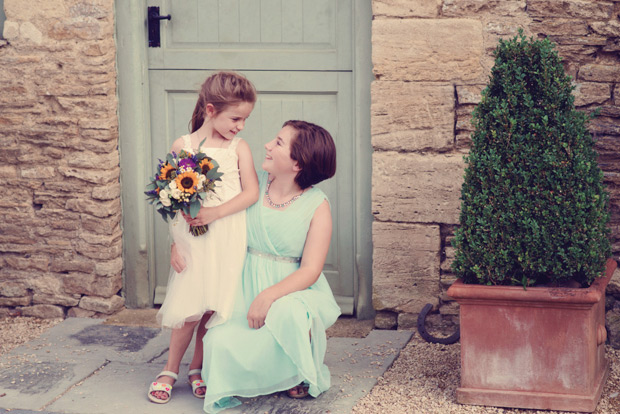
[[186, 164]]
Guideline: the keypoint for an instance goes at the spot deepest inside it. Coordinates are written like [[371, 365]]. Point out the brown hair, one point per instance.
[[315, 152], [221, 90]]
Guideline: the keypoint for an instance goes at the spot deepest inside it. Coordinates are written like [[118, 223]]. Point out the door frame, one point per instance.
[[134, 147]]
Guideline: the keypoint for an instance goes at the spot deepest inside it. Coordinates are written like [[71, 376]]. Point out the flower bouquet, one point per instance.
[[183, 181]]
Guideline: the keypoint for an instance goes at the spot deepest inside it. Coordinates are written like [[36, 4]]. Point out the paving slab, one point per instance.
[[78, 365]]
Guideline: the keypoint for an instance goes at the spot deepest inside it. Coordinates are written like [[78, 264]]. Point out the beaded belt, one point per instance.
[[274, 257]]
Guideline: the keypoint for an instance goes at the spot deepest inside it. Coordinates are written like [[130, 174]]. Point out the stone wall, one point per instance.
[[431, 59], [60, 237]]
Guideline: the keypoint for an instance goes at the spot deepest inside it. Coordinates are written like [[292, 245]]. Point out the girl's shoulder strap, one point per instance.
[[187, 141], [234, 143]]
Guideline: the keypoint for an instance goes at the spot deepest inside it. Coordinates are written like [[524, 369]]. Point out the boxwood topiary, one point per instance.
[[534, 208]]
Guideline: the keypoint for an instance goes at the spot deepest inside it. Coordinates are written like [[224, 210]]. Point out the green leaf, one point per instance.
[[194, 208]]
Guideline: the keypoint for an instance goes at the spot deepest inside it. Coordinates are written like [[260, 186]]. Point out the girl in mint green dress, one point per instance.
[[275, 340]]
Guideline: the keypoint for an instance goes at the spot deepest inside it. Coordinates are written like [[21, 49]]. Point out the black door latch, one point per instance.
[[153, 25]]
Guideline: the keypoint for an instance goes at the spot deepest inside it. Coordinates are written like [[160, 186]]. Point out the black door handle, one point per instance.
[[153, 20]]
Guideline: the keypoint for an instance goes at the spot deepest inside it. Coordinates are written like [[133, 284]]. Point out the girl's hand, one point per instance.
[[206, 215], [258, 310], [176, 260]]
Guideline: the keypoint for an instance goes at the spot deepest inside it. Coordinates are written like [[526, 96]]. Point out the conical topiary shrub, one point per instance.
[[534, 208]]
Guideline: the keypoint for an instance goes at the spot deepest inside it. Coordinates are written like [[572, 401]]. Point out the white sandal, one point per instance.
[[162, 386], [199, 383]]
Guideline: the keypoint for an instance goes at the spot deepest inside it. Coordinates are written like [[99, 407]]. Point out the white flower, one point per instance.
[[172, 185], [164, 198]]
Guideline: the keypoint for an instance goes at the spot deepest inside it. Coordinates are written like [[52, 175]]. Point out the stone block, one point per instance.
[[447, 50], [554, 27], [46, 284], [587, 93], [11, 30], [78, 30], [406, 8], [447, 279], [92, 176], [110, 191], [80, 313], [101, 239], [408, 321], [93, 207], [62, 300], [469, 8], [386, 320], [609, 28], [59, 218], [449, 308], [13, 289], [599, 73], [50, 199], [32, 262], [613, 288], [106, 225], [109, 268], [9, 171], [45, 9], [446, 265], [570, 8], [16, 301], [423, 293], [88, 284], [417, 188], [411, 116], [612, 322], [91, 160], [463, 140], [75, 264], [469, 94], [30, 32], [464, 118], [591, 40], [405, 266], [96, 252], [102, 305], [99, 123], [43, 311]]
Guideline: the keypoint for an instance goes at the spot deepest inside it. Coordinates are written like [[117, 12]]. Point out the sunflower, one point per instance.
[[187, 182], [166, 171], [206, 166]]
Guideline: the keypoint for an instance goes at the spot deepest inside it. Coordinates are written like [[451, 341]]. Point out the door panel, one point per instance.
[[298, 55], [254, 35]]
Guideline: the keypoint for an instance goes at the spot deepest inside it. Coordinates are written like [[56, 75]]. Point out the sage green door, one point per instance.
[[298, 55]]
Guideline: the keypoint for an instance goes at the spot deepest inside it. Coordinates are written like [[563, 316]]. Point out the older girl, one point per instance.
[[276, 341]]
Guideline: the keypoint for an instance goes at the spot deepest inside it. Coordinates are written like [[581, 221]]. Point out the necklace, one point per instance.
[[285, 204]]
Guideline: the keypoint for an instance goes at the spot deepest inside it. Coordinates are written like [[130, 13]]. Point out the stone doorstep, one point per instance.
[[81, 361]]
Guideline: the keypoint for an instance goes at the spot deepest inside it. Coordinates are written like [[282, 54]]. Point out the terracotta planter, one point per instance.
[[540, 348]]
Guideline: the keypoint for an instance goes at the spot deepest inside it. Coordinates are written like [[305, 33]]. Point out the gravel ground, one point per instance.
[[17, 330], [423, 380], [425, 376]]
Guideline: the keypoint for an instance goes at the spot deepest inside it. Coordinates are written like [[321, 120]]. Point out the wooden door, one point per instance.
[[298, 55]]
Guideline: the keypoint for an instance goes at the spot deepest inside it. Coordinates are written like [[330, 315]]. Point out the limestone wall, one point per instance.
[[431, 60], [60, 238]]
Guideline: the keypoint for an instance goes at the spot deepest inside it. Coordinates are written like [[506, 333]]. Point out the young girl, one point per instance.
[[206, 269]]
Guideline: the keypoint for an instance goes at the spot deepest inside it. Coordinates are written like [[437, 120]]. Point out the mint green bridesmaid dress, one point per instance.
[[290, 347]]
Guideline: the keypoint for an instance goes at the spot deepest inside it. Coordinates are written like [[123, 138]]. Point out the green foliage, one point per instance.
[[534, 209]]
